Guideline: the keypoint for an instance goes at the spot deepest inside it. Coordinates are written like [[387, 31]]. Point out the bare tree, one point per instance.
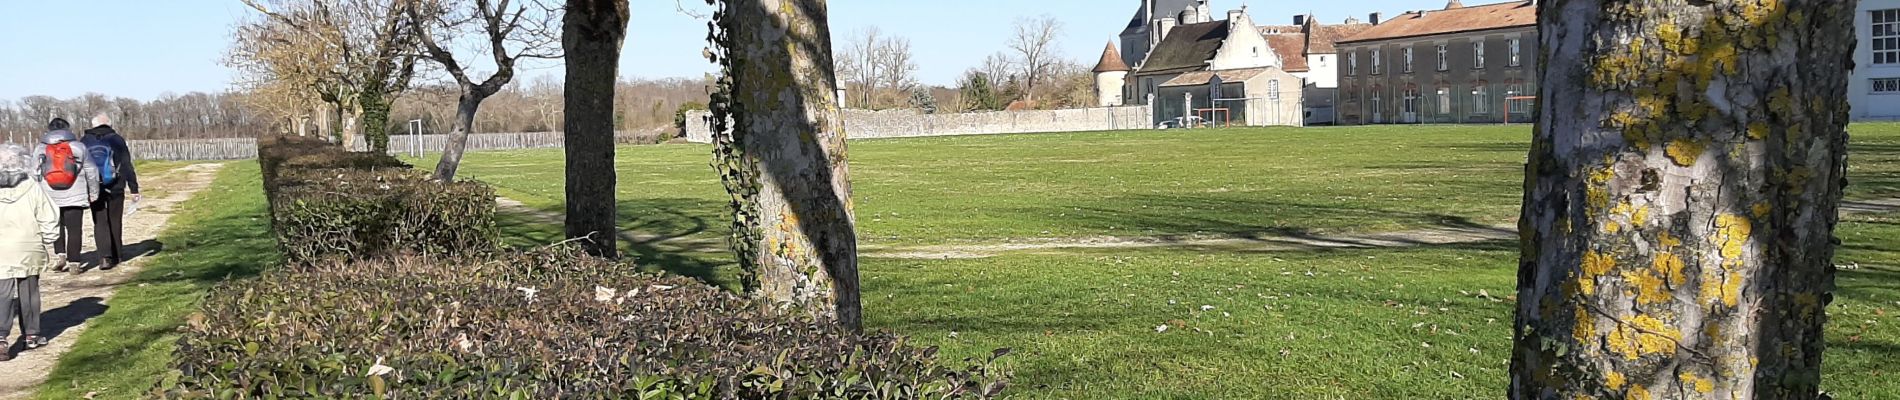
[[898, 69], [1680, 199], [592, 34], [1034, 45], [508, 31], [356, 55], [862, 68], [785, 157]]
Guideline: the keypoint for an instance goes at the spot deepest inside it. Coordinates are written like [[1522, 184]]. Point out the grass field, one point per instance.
[[1425, 322]]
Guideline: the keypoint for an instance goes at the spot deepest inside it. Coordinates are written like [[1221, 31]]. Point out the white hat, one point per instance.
[[101, 119]]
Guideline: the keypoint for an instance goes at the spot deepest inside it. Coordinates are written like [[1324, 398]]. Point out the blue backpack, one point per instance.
[[101, 155]]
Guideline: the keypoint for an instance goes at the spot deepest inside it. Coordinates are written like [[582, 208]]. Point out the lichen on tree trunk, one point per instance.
[[1680, 199], [789, 137]]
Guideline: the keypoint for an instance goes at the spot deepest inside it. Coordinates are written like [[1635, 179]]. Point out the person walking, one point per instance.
[[29, 224], [73, 181], [117, 180]]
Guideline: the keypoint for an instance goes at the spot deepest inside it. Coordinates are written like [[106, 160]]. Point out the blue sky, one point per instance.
[[141, 48]]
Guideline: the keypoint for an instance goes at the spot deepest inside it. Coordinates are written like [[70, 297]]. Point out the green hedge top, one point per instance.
[[551, 324], [327, 202]]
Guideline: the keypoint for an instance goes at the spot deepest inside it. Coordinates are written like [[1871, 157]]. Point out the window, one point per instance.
[[1886, 37], [1480, 100], [1885, 85], [1273, 89], [1444, 99], [1408, 60], [1477, 53], [1443, 63], [1352, 63], [1375, 61], [1515, 47], [1377, 114]]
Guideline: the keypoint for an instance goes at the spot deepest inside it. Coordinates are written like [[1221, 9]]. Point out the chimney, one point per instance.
[[1167, 24], [1373, 18], [1454, 4], [1299, 19], [1233, 16]]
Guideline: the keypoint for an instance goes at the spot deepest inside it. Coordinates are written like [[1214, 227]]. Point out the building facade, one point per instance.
[[1194, 67], [1306, 49], [1874, 91], [1455, 65]]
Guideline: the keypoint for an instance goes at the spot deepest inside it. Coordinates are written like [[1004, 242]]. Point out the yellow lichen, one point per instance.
[[1670, 265], [1668, 240], [1640, 216], [1732, 234], [1654, 336], [1758, 130], [1614, 380], [1701, 385], [1731, 290], [1637, 392], [1684, 151], [1596, 264], [1649, 289], [1761, 210], [1620, 342], [1597, 192], [1585, 330]]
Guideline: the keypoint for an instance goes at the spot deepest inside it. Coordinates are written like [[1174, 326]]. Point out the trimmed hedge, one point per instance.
[[549, 324], [327, 202]]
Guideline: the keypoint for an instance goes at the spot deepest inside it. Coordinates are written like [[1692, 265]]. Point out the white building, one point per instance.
[[1192, 66], [1874, 90]]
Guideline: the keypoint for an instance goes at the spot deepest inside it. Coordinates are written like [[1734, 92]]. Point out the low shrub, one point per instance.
[[328, 202], [549, 324]]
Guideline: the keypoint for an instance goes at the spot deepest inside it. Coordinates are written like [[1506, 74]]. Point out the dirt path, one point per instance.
[[70, 299]]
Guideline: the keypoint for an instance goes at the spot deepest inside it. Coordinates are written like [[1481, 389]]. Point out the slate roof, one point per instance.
[[1202, 77], [1468, 19], [1167, 8], [1187, 47]]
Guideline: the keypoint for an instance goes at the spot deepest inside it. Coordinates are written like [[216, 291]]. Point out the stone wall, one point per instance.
[[866, 124]]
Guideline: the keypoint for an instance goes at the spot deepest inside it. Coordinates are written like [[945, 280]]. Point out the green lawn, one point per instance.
[[222, 232], [1427, 322]]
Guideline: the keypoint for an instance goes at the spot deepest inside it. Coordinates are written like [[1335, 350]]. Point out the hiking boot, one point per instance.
[[63, 267], [6, 351], [33, 341], [109, 265]]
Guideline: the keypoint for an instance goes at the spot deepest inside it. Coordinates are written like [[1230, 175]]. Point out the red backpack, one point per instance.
[[62, 168]]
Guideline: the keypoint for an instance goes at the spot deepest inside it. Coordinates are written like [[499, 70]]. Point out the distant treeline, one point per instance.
[[531, 106]]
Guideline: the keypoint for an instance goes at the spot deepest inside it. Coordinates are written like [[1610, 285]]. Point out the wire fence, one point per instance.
[[244, 148]]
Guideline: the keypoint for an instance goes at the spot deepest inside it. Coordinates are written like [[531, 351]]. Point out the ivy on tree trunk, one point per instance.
[[1680, 199], [784, 156]]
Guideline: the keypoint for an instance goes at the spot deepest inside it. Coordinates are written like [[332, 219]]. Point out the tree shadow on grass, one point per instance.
[[672, 235]]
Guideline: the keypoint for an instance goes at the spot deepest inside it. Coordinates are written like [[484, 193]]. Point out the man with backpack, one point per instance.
[[73, 183], [117, 179]]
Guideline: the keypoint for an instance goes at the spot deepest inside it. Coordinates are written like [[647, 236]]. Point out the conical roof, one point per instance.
[[1111, 60]]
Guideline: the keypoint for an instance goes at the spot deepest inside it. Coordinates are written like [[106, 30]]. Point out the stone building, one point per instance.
[[1306, 49], [1192, 66], [1874, 90], [1459, 64]]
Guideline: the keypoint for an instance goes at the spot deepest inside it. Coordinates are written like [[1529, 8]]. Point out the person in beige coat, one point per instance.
[[29, 224]]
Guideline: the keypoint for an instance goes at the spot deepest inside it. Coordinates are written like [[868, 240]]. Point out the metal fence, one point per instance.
[[243, 148], [194, 149]]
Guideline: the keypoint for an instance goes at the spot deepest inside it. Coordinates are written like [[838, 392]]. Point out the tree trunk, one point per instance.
[[789, 128], [457, 141], [594, 31], [1680, 199], [350, 118]]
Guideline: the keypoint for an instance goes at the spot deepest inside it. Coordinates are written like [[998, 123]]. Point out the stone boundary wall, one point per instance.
[[867, 124]]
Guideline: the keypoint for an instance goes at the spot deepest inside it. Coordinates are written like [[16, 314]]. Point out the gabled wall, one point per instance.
[[1245, 47]]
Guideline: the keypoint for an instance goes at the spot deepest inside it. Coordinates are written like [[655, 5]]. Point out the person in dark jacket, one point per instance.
[[108, 213], [73, 201]]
